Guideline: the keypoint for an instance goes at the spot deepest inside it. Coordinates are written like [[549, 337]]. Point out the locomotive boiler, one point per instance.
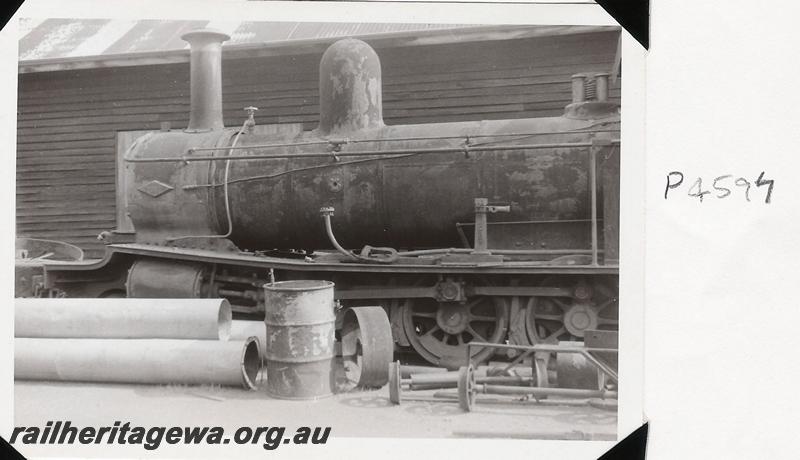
[[501, 231]]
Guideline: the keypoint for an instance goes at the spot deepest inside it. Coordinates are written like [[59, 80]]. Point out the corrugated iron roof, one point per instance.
[[72, 38]]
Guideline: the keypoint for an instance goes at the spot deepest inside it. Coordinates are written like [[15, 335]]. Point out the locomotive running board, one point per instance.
[[266, 262]]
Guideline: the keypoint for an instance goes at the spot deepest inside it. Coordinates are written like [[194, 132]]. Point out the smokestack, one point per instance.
[[206, 79]]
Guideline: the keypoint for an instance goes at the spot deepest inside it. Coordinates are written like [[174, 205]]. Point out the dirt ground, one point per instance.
[[354, 414]]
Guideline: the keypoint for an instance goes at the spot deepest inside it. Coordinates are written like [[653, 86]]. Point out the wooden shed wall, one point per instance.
[[67, 121]]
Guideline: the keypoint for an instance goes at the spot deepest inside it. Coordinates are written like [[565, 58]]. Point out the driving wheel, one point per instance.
[[440, 332]]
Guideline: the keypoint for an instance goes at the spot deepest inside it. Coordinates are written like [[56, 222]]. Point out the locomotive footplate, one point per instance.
[[254, 260]]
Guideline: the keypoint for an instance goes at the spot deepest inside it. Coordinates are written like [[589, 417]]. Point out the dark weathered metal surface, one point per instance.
[[387, 201], [300, 334], [155, 279], [350, 94], [604, 339], [252, 260], [383, 196], [575, 371], [28, 278], [174, 211], [610, 184]]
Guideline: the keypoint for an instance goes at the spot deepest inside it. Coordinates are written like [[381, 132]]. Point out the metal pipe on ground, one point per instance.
[[452, 396], [441, 380], [144, 361], [406, 370], [242, 329], [450, 380], [115, 318], [538, 392]]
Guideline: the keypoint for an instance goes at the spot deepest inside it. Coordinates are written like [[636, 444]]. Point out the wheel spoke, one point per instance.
[[604, 321], [548, 317], [473, 303], [560, 303], [604, 305], [554, 335], [475, 335], [424, 314], [482, 318]]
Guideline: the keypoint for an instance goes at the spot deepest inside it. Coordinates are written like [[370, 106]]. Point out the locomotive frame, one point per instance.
[[438, 298]]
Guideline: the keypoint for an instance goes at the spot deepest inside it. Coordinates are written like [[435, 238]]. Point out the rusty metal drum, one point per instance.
[[299, 352]]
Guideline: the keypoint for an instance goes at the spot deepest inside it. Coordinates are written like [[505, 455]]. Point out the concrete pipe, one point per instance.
[[242, 329], [146, 361], [114, 318]]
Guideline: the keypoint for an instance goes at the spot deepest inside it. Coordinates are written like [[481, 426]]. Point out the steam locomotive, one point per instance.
[[502, 231]]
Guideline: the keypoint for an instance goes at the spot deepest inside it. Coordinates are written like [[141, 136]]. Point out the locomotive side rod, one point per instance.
[[442, 150]]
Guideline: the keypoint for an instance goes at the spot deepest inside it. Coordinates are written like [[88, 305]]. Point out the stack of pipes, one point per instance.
[[154, 341]]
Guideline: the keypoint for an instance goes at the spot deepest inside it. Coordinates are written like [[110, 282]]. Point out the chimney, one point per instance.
[[206, 79]]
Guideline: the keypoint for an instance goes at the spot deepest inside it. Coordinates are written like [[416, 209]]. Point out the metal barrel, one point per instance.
[[299, 344]]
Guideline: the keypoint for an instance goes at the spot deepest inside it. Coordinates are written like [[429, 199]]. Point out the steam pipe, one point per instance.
[[114, 318], [149, 361], [327, 212], [340, 142], [206, 79], [415, 151]]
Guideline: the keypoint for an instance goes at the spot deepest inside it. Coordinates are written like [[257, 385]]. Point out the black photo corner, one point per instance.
[[632, 447], [7, 451], [9, 8], [632, 15]]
